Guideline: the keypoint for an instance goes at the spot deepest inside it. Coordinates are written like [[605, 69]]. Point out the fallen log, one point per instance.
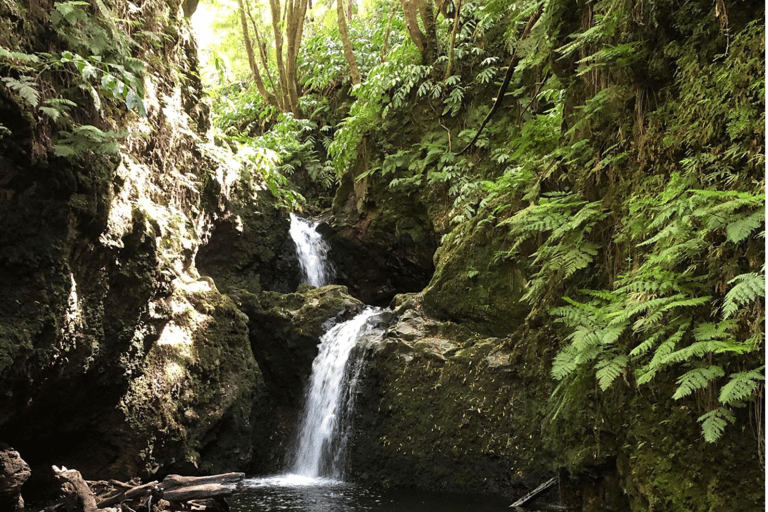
[[130, 493], [172, 481], [197, 492], [175, 488], [540, 489]]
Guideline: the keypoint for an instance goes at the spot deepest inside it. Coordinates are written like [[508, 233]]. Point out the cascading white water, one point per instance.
[[312, 251], [323, 436]]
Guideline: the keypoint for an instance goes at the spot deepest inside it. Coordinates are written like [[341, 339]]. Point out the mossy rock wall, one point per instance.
[[116, 357], [446, 408]]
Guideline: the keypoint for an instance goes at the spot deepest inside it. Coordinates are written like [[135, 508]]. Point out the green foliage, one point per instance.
[[567, 222], [25, 87], [747, 289], [107, 71]]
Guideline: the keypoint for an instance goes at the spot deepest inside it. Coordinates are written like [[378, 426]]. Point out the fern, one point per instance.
[[609, 369], [24, 87], [714, 422], [741, 386], [747, 288], [696, 379]]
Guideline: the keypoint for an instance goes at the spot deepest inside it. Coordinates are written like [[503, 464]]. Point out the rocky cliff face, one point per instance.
[[116, 356]]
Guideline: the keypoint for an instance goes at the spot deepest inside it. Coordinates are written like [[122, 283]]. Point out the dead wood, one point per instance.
[[72, 481], [174, 488]]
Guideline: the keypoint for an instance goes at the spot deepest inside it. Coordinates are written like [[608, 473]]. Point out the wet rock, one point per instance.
[[473, 286], [13, 473], [439, 409], [395, 261]]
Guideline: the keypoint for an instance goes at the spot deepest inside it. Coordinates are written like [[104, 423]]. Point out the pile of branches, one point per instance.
[[173, 493]]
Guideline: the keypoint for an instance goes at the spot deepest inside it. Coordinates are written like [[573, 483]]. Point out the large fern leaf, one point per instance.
[[741, 386], [748, 288], [742, 228], [25, 87], [714, 422], [609, 370], [696, 379]]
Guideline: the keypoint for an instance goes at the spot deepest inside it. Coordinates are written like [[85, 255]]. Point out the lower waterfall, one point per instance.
[[320, 448]]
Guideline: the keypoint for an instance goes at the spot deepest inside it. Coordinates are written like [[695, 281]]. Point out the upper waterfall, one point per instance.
[[312, 250]]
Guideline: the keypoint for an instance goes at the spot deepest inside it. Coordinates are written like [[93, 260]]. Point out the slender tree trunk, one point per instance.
[[386, 36], [346, 43], [295, 13], [269, 98], [425, 41], [281, 74], [265, 62], [430, 30], [456, 17], [410, 12]]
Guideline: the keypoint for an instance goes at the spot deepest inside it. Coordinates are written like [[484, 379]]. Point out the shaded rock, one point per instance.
[[250, 249], [440, 410], [380, 255], [473, 285], [13, 473]]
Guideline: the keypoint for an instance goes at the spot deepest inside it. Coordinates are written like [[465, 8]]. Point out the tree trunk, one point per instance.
[[346, 43], [282, 76], [295, 14], [430, 30], [410, 12], [452, 46], [265, 61], [386, 36], [425, 41], [269, 98]]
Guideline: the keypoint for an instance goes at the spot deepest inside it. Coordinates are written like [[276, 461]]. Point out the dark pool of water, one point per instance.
[[292, 493]]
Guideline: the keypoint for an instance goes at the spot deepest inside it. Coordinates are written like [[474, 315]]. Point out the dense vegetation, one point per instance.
[[593, 170], [625, 170]]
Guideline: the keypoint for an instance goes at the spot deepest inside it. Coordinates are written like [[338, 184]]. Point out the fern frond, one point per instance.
[[25, 87], [609, 370], [648, 344], [696, 379], [714, 422], [741, 386], [741, 229], [646, 373], [564, 363], [748, 288]]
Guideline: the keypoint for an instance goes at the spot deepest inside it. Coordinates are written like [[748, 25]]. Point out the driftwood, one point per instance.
[[72, 479], [540, 489], [174, 489]]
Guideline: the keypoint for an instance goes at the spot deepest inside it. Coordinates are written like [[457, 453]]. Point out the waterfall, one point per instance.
[[312, 251], [320, 447]]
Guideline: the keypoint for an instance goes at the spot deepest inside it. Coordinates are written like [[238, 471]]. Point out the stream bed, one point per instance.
[[294, 493]]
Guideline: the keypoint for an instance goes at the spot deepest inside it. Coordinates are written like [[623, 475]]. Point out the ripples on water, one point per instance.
[[294, 493]]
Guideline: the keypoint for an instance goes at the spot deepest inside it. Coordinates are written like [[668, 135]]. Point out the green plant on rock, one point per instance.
[[657, 317], [101, 66]]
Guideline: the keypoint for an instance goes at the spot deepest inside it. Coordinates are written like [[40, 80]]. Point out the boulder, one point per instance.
[[13, 473]]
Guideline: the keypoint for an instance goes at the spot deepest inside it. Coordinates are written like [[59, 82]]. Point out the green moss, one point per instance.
[[472, 285]]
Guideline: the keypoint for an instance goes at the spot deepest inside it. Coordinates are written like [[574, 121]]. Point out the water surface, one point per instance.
[[295, 493]]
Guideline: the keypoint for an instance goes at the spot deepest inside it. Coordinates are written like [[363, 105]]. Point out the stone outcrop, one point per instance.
[[445, 408], [116, 357], [13, 473], [376, 261], [250, 249]]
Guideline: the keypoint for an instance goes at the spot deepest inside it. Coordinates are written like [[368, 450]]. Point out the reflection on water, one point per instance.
[[295, 493]]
